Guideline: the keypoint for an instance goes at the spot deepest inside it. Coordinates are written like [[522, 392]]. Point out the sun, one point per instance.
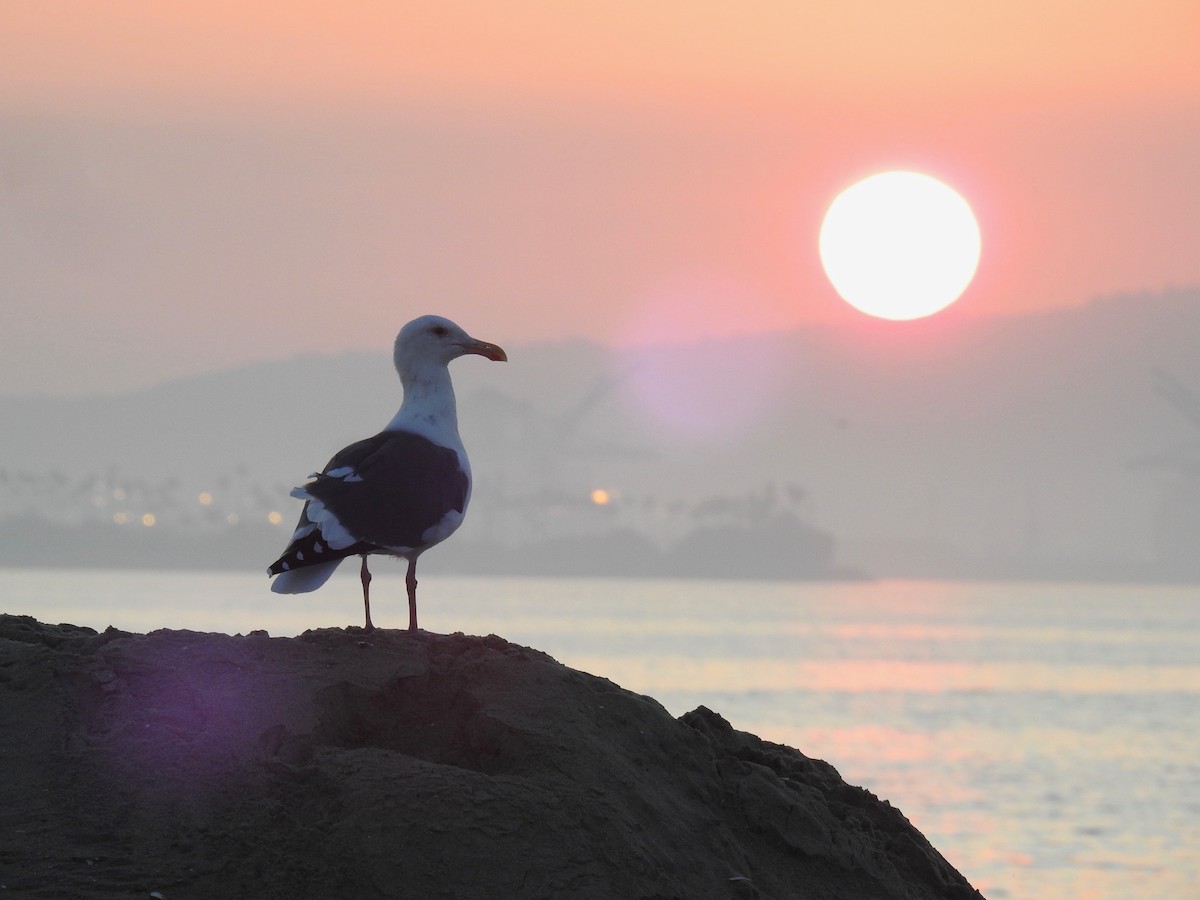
[[900, 245]]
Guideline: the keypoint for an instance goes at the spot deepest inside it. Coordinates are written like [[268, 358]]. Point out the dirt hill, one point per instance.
[[339, 764]]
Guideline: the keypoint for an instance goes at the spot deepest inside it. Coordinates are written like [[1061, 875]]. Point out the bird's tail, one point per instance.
[[301, 581]]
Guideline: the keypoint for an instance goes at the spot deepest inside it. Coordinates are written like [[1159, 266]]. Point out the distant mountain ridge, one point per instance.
[[949, 445]]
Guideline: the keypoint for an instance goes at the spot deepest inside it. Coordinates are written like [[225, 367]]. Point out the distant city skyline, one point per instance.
[[188, 188], [1054, 445]]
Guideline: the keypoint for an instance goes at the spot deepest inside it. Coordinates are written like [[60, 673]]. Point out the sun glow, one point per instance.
[[900, 245]]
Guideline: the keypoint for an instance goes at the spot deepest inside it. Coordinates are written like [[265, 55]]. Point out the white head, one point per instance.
[[435, 340]]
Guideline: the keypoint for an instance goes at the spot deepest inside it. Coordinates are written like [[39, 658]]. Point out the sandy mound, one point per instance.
[[394, 765]]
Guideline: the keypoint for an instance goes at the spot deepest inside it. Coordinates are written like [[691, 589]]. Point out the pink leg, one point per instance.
[[411, 582], [365, 574]]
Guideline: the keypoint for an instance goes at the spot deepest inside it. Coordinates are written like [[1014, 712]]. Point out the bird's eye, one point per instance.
[[441, 330]]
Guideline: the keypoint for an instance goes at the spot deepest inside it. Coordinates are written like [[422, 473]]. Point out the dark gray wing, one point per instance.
[[388, 490]]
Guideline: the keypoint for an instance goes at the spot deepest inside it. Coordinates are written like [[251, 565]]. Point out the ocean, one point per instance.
[[1044, 737]]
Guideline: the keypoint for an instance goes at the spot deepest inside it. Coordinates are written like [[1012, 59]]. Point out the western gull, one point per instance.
[[397, 493]]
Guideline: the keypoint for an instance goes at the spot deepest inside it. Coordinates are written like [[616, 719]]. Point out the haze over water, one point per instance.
[[214, 218]]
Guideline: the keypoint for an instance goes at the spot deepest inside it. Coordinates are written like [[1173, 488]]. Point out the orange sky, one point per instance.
[[202, 174], [73, 53]]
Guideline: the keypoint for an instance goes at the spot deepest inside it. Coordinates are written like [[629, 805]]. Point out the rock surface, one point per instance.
[[338, 764]]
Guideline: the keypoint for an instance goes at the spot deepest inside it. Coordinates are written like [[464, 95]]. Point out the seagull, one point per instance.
[[397, 493]]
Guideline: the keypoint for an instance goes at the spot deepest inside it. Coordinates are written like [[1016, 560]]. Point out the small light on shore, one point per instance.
[[148, 520], [274, 517], [205, 498], [601, 497], [121, 518]]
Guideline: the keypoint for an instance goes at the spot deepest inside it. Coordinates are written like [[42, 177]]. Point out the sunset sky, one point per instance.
[[190, 186]]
